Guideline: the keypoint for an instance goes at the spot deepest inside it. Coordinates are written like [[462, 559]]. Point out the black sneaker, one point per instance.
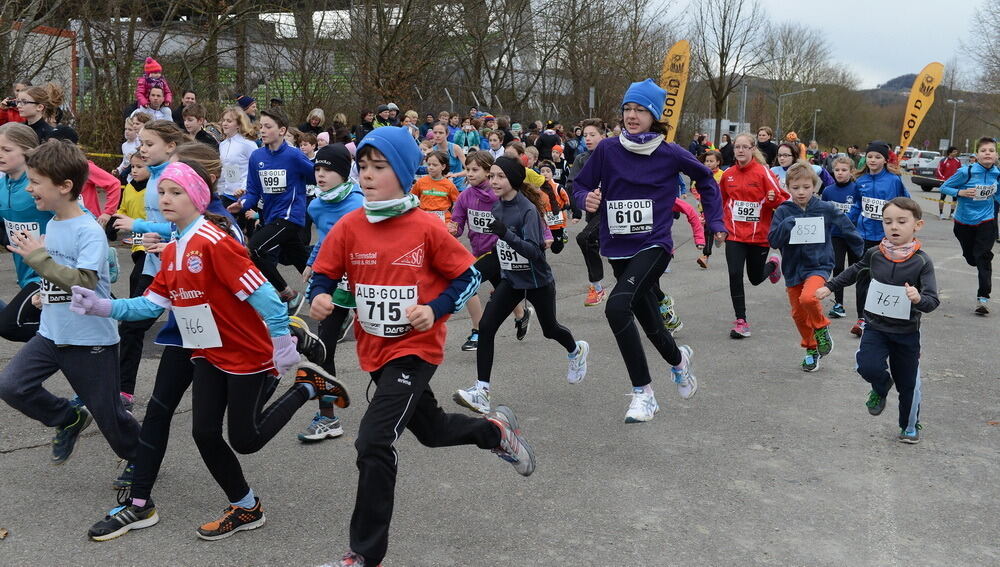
[[309, 344], [123, 519], [325, 384], [128, 400], [811, 361], [875, 403], [524, 323], [471, 343], [125, 479], [342, 334], [65, 438], [824, 342], [234, 519]]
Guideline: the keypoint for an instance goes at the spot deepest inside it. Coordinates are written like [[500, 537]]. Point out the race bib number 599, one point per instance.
[[382, 308]]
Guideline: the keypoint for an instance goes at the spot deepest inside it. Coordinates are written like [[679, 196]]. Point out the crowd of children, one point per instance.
[[208, 222]]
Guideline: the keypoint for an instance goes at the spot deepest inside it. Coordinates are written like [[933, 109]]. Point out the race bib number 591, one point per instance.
[[382, 308]]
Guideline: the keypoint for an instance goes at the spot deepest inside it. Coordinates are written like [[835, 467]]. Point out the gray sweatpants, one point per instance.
[[92, 371]]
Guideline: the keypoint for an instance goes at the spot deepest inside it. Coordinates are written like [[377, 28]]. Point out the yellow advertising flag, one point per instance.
[[921, 99], [674, 80]]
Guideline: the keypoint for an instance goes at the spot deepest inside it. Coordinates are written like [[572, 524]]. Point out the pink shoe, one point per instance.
[[740, 330], [775, 276]]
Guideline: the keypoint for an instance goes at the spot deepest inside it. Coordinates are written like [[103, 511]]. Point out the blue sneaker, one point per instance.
[[837, 312], [65, 438], [982, 306], [910, 436]]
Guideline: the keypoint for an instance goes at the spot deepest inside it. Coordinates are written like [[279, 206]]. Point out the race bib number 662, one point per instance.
[[381, 309]]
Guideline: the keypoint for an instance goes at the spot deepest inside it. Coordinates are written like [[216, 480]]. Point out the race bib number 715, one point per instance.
[[381, 309]]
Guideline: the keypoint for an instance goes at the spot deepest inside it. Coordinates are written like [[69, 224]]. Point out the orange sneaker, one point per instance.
[[703, 262], [594, 297], [234, 519], [325, 384]]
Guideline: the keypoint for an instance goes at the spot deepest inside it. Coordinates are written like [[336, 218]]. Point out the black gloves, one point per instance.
[[497, 227]]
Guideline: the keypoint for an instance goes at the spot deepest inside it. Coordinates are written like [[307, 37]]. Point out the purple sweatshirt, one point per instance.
[[638, 194], [474, 207]]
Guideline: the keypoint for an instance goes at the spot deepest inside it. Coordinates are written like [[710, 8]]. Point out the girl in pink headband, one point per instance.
[[180, 180]]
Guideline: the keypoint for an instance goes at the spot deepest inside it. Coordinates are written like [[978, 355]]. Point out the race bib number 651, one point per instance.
[[382, 308], [872, 208]]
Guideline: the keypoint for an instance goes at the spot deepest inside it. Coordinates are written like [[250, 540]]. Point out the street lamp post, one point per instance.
[[954, 111], [777, 121], [815, 112]]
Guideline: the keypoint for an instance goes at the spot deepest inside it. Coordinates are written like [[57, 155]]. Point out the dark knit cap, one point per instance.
[[335, 157], [879, 147], [513, 169]]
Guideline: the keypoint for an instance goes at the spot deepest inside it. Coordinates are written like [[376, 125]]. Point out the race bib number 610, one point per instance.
[[630, 216]]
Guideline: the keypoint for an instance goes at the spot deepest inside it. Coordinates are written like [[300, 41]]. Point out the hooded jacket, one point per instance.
[[799, 261], [479, 199], [744, 190], [871, 192]]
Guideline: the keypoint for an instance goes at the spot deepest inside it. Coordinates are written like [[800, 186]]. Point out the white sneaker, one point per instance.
[[475, 398], [578, 365], [642, 408], [687, 384]]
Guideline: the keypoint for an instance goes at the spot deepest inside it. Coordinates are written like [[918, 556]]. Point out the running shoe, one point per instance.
[[673, 324], [666, 306], [234, 519], [824, 342], [594, 297], [982, 306], [309, 344], [513, 448], [943, 216], [703, 262], [837, 312], [322, 427], [472, 343], [875, 403], [475, 398], [325, 384], [858, 328], [125, 479], [642, 408], [295, 302], [350, 559], [811, 362], [345, 327], [578, 364], [775, 275], [910, 436], [740, 330], [65, 438], [128, 400], [123, 519], [524, 323], [687, 384]]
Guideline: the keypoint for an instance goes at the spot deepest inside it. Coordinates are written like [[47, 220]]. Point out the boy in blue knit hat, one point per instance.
[[408, 276]]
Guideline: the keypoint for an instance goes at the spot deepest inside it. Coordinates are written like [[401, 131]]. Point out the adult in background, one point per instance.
[[155, 109], [393, 114], [37, 105], [854, 152], [249, 106], [766, 145], [726, 149], [187, 99], [8, 108], [695, 144], [382, 116], [427, 125], [366, 125], [948, 166], [314, 122], [548, 139]]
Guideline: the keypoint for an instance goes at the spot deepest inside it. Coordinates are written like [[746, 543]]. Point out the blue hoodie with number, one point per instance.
[[979, 209], [279, 177], [799, 261], [870, 192]]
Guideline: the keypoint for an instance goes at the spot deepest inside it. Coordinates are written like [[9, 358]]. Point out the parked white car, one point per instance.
[[919, 160]]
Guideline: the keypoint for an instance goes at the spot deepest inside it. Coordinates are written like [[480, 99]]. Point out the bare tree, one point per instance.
[[727, 37], [24, 52]]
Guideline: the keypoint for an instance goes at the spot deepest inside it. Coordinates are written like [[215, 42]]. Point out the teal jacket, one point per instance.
[[17, 209]]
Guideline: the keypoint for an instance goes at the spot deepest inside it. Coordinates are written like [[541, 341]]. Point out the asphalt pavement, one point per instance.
[[766, 465]]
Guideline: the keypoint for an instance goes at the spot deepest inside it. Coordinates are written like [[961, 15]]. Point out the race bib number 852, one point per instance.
[[382, 308]]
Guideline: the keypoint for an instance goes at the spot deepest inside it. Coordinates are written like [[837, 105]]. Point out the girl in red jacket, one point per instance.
[[750, 193]]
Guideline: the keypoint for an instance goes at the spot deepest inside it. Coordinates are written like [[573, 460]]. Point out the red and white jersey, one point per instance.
[[205, 279]]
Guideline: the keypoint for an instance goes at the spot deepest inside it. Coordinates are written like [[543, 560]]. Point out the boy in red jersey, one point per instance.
[[408, 275]]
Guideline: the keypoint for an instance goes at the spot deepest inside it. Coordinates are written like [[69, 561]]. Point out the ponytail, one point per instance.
[[219, 221], [535, 197]]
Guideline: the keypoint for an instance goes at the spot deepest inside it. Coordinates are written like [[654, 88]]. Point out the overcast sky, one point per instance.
[[879, 40]]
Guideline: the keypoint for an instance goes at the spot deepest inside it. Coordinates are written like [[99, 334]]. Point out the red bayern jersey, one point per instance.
[[405, 260], [206, 266]]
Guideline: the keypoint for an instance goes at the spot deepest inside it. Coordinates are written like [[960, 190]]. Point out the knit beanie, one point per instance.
[[880, 147], [513, 169], [245, 101], [647, 94], [152, 66], [335, 157], [399, 149]]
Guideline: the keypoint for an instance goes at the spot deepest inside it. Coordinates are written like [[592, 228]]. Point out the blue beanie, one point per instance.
[[647, 94], [399, 149]]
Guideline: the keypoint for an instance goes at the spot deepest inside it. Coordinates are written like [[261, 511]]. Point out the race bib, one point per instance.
[[52, 294], [479, 220], [382, 308], [842, 207], [272, 181], [553, 219], [231, 173], [33, 229], [888, 300], [808, 230], [746, 211], [197, 326], [510, 260], [630, 216], [984, 192], [872, 208], [438, 214]]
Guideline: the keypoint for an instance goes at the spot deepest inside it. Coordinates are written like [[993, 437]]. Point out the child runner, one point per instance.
[[19, 318], [195, 117], [975, 186], [902, 287], [129, 147], [631, 181], [437, 194], [496, 144], [278, 176], [525, 277], [841, 195], [456, 157], [556, 202], [589, 238], [134, 205], [337, 197], [801, 229], [787, 156], [877, 185], [945, 169], [237, 328], [73, 254], [408, 275], [750, 193], [713, 161]]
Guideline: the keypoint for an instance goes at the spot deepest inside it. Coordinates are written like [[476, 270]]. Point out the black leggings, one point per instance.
[[251, 425], [709, 241], [278, 240], [557, 240], [589, 241], [329, 331], [133, 334], [977, 249], [635, 294], [502, 304], [19, 320], [841, 252], [754, 258], [135, 281]]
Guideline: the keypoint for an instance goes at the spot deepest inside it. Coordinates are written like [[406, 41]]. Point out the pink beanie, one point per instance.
[[323, 137], [190, 181]]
